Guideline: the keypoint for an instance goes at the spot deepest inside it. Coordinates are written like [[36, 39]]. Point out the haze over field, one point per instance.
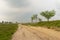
[[22, 10]]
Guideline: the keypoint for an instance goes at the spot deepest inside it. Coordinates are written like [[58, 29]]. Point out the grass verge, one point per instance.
[[7, 30], [50, 25]]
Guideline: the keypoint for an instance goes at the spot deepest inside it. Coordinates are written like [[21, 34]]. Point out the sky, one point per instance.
[[22, 10]]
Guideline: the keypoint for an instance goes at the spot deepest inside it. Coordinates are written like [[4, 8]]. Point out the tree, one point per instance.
[[39, 20], [48, 14], [2, 22], [34, 17]]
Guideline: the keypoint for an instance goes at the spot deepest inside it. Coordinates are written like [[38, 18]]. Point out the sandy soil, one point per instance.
[[35, 33]]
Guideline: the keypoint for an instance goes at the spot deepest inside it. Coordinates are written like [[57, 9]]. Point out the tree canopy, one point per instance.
[[48, 14]]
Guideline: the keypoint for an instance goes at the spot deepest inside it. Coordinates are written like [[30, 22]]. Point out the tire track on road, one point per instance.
[[30, 33], [44, 35]]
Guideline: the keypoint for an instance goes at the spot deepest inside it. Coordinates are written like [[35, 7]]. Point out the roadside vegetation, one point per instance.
[[47, 14], [55, 25], [7, 29], [47, 24]]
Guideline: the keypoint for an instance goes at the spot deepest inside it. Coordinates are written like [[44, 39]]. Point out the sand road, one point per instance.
[[35, 33]]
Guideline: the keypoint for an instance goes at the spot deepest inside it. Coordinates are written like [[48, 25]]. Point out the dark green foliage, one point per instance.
[[40, 19], [7, 30], [34, 17], [48, 14]]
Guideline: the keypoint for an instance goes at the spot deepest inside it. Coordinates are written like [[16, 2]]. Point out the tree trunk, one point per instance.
[[48, 23], [48, 20], [32, 21]]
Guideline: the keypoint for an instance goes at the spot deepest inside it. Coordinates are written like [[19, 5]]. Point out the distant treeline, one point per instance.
[[6, 22]]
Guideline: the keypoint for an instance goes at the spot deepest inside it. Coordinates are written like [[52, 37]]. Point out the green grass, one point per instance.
[[51, 24], [7, 30]]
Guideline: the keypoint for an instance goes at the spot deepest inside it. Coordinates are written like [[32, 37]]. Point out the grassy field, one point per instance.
[[51, 24], [6, 31]]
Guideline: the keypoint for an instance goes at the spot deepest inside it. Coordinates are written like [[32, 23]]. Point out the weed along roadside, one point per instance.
[[55, 25], [7, 30]]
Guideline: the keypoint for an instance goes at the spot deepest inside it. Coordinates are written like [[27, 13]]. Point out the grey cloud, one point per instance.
[[22, 10], [58, 6], [23, 17], [18, 3]]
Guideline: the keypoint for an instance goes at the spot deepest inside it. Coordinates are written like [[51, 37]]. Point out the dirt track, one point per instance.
[[35, 33]]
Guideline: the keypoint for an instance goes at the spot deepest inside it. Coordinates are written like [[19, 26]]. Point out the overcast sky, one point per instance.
[[22, 10]]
